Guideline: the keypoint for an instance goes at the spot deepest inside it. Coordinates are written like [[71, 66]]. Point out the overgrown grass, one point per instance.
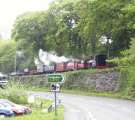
[[37, 88], [15, 93], [39, 114]]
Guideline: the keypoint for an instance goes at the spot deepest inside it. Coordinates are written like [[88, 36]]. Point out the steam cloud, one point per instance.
[[46, 57]]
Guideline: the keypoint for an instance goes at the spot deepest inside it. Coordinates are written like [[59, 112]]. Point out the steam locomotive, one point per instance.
[[99, 61]]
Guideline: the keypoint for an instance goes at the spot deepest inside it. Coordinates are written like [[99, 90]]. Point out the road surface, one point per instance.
[[94, 108]]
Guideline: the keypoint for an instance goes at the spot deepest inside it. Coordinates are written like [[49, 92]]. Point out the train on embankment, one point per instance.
[[99, 61]]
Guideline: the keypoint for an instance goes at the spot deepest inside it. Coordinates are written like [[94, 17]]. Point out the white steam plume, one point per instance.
[[46, 57]]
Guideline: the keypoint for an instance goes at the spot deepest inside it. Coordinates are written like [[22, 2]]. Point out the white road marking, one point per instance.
[[91, 116]]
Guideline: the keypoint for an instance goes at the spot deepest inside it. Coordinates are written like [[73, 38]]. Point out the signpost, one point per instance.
[[55, 80]]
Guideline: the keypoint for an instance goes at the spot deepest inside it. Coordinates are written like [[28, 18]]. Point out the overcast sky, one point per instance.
[[10, 9]]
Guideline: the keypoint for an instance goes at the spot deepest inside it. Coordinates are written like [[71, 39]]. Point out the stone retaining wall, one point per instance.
[[100, 82]]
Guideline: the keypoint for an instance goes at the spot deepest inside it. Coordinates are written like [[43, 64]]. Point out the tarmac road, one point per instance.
[[94, 108]]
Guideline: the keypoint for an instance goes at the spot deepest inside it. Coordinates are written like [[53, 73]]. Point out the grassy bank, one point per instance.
[[38, 114], [118, 94]]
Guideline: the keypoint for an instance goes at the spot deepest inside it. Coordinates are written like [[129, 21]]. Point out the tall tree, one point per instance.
[[66, 37], [7, 55]]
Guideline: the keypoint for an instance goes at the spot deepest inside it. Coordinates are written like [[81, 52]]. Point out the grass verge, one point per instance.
[[118, 94], [38, 114]]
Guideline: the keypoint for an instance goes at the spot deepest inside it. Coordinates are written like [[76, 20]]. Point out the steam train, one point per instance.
[[99, 61]]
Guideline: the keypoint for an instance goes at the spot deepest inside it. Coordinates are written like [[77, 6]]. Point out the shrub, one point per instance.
[[14, 93]]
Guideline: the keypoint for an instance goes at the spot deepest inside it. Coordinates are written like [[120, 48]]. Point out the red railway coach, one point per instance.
[[73, 65], [33, 72], [80, 66], [60, 67]]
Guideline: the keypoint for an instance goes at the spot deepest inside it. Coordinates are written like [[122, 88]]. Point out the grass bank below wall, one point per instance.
[[118, 94]]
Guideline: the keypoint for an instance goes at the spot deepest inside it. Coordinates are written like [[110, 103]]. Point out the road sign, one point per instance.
[[55, 87], [55, 78]]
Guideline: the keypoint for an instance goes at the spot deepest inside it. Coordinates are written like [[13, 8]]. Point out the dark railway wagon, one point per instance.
[[100, 61], [49, 69]]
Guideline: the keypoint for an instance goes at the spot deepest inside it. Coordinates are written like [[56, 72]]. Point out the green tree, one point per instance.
[[66, 35], [30, 28], [31, 31], [104, 17], [7, 55]]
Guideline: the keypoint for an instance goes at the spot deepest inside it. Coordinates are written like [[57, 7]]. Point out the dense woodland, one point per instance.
[[73, 28]]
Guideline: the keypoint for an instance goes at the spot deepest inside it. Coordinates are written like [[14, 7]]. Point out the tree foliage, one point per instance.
[[74, 28], [132, 51], [7, 55]]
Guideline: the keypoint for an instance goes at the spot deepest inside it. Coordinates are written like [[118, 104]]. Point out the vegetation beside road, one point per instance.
[[15, 93], [39, 114]]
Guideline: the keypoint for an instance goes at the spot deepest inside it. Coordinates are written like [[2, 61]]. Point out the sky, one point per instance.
[[10, 9]]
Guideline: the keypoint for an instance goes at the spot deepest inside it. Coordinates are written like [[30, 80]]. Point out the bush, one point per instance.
[[127, 68], [132, 51], [119, 61], [14, 93]]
